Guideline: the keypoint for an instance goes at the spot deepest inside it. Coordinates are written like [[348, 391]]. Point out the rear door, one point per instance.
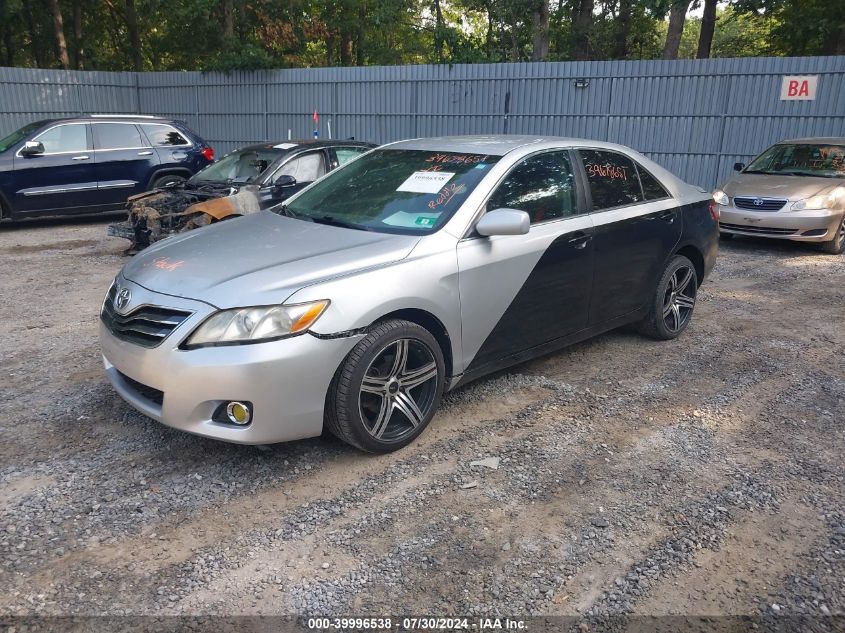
[[636, 227], [62, 178], [521, 291], [124, 161]]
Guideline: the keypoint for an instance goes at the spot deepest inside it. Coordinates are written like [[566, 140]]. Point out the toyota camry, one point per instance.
[[407, 272]]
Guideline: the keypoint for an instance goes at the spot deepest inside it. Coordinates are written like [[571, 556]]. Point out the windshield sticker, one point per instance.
[[608, 170], [412, 220], [446, 194], [425, 181], [284, 145], [457, 159]]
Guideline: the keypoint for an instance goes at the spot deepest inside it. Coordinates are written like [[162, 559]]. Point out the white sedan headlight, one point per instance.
[[720, 197], [257, 324]]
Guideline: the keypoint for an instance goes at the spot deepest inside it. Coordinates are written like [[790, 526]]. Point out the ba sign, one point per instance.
[[799, 87]]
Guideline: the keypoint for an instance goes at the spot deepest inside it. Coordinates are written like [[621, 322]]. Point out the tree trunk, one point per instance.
[[34, 36], [582, 23], [228, 19], [438, 31], [677, 17], [359, 35], [708, 26], [488, 5], [79, 51], [134, 36], [623, 29], [58, 24], [540, 31], [835, 41], [345, 48]]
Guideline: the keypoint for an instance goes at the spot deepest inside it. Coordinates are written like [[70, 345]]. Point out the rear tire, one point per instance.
[[836, 246], [387, 389], [168, 179], [673, 302], [726, 236]]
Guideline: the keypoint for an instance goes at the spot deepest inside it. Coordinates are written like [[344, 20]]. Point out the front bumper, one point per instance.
[[805, 226], [286, 381]]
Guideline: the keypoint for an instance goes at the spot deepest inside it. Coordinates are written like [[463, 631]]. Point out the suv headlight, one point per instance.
[[256, 325], [721, 197], [816, 203]]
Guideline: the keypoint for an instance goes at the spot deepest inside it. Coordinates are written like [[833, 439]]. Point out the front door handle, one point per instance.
[[83, 157], [145, 153], [579, 239]]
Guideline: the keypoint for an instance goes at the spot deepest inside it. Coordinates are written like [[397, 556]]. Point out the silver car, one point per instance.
[[795, 190], [412, 269]]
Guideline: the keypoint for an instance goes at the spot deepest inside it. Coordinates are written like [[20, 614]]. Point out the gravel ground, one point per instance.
[[702, 476]]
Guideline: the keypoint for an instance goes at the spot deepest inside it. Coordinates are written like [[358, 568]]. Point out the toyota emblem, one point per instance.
[[124, 296], [758, 202]]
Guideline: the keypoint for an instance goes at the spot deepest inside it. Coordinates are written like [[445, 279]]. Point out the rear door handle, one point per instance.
[[145, 153], [667, 216], [579, 239], [84, 157]]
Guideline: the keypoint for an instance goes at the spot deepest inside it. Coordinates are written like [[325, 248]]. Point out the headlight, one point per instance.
[[819, 202], [721, 197], [254, 325]]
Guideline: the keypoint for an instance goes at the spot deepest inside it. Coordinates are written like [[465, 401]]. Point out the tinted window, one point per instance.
[[613, 179], [17, 137], [116, 136], [305, 168], [164, 135], [64, 138], [345, 154], [543, 186], [652, 189]]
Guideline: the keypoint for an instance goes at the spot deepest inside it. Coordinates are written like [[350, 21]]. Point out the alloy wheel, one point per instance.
[[398, 389], [679, 300]]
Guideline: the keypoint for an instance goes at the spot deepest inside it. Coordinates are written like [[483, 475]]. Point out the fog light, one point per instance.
[[238, 413]]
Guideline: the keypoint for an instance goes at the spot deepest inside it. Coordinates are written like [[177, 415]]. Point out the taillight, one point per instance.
[[208, 153], [714, 211]]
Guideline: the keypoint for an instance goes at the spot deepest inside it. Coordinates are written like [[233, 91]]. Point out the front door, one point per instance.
[[521, 291], [305, 168], [124, 162], [62, 179]]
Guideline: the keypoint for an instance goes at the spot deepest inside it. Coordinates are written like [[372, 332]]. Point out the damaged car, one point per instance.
[[247, 180]]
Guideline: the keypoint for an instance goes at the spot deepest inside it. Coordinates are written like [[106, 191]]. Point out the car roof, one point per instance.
[[133, 118], [311, 143], [496, 144], [825, 140]]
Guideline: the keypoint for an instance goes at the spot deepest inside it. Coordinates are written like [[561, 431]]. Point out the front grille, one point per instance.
[[759, 204], [757, 230], [146, 326], [146, 392]]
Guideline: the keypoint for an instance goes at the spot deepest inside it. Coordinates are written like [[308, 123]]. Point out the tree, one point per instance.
[[540, 30], [677, 17], [58, 24], [708, 26]]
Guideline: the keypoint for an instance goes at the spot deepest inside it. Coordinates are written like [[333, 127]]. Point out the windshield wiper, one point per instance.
[[286, 211], [332, 221]]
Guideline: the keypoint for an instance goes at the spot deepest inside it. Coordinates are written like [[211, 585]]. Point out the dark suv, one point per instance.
[[93, 163]]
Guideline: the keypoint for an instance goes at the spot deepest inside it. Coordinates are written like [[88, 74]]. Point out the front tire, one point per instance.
[[166, 181], [673, 302], [836, 246], [387, 389]]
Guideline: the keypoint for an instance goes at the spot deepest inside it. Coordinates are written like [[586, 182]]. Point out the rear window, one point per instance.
[[652, 189], [116, 136], [164, 135], [613, 179]]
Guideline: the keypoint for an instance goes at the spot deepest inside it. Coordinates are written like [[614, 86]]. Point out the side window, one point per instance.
[[164, 135], [116, 136], [543, 186], [64, 138], [612, 177], [345, 154], [305, 168], [652, 189]]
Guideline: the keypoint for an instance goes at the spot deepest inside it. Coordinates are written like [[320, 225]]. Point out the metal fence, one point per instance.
[[695, 117]]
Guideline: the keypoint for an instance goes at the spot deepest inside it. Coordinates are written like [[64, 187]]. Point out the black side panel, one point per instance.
[[553, 302], [701, 232]]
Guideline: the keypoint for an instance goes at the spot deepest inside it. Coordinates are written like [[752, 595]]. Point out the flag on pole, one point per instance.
[[316, 122]]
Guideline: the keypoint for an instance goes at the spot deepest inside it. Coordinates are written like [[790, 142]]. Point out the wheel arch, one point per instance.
[[696, 257], [169, 171], [431, 323]]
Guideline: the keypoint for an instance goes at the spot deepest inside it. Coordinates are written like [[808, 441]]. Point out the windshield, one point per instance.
[[826, 161], [412, 192], [16, 137], [241, 166]]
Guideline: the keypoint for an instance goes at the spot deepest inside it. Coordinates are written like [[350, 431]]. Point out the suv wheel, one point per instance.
[[164, 181], [673, 301], [837, 245], [387, 389]]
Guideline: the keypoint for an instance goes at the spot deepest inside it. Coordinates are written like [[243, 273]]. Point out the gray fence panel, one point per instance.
[[695, 117]]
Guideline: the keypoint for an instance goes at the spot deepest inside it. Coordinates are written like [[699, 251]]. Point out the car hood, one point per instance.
[[260, 259], [788, 187]]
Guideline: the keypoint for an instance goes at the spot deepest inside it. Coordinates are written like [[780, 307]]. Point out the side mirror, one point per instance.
[[739, 166], [504, 222], [32, 148], [282, 183]]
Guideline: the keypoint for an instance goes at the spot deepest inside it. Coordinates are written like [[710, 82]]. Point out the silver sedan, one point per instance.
[[412, 269]]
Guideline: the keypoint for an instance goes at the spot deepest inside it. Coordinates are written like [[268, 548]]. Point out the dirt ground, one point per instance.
[[703, 476]]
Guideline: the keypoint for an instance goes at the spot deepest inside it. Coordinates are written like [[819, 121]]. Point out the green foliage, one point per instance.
[[192, 34]]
